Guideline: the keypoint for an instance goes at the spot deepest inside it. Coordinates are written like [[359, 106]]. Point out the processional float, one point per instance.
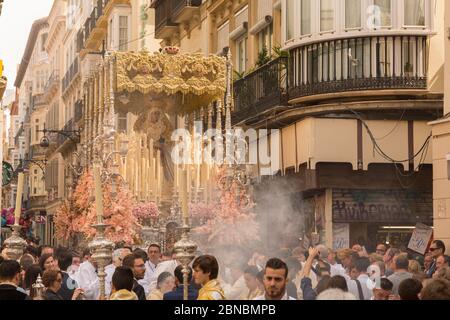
[[164, 91]]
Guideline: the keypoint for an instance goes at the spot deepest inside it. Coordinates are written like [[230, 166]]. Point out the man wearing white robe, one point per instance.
[[154, 257], [166, 266], [87, 279]]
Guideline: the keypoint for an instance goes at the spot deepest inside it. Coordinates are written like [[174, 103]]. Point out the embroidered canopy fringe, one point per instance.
[[202, 79]]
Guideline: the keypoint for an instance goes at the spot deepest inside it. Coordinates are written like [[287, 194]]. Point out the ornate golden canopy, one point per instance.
[[194, 80]]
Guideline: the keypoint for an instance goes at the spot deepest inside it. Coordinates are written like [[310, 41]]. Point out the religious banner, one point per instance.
[[420, 238], [341, 236]]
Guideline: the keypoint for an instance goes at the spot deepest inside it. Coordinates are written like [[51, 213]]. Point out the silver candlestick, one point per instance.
[[185, 252], [102, 249], [15, 245], [39, 289]]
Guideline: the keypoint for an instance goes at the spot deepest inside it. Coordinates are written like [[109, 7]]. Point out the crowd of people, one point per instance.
[[319, 273]]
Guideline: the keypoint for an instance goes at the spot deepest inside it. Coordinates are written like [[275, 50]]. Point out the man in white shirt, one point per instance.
[[361, 287], [237, 287], [154, 258], [117, 258], [275, 281], [166, 266], [87, 279]]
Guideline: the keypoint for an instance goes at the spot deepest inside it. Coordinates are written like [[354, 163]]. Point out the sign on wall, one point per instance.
[[341, 236], [420, 238], [382, 206]]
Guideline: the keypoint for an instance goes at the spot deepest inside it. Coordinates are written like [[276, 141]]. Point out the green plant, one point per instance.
[[263, 57]]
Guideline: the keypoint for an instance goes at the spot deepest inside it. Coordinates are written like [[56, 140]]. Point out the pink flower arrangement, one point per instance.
[[146, 212], [78, 214], [201, 210]]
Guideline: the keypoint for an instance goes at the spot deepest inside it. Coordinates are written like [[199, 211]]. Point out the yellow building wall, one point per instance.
[[335, 140], [436, 54], [395, 145]]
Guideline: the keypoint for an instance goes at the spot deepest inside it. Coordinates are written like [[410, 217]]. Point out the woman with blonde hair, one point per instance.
[[414, 267]]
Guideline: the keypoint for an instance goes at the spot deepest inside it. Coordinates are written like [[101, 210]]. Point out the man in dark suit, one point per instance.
[[437, 249], [177, 293], [9, 281], [68, 285]]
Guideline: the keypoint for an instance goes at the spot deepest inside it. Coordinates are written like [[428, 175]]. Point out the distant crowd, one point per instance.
[[319, 273]]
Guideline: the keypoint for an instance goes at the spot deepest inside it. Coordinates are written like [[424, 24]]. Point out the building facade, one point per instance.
[[63, 51], [441, 151], [351, 86]]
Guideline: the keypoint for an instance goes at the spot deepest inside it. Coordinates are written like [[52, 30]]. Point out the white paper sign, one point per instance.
[[420, 238], [341, 236]]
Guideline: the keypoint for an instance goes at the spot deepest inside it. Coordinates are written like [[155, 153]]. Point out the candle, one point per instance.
[[152, 178], [197, 182], [158, 174], [18, 209], [184, 196], [98, 193]]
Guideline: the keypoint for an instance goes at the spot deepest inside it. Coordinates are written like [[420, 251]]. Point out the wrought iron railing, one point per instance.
[[68, 127], [38, 100], [52, 80], [78, 112], [262, 89], [70, 74], [355, 64], [163, 14], [179, 5]]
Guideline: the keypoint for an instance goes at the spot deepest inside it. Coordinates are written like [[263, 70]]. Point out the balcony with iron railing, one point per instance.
[[357, 64], [261, 90], [39, 100], [184, 10], [70, 75], [68, 127], [164, 24], [51, 87], [78, 112], [95, 26]]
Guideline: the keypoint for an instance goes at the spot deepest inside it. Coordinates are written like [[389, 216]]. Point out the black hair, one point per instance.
[[338, 282], [323, 284], [447, 259], [128, 261], [208, 264], [386, 284], [42, 247], [123, 278], [179, 274], [32, 250], [86, 252], [154, 245], [252, 270], [44, 258], [25, 261], [409, 289], [139, 253], [1, 259], [277, 264], [440, 245], [31, 274], [361, 264], [9, 269], [64, 259]]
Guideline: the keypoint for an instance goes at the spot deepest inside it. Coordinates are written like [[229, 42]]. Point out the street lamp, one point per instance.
[[73, 135]]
